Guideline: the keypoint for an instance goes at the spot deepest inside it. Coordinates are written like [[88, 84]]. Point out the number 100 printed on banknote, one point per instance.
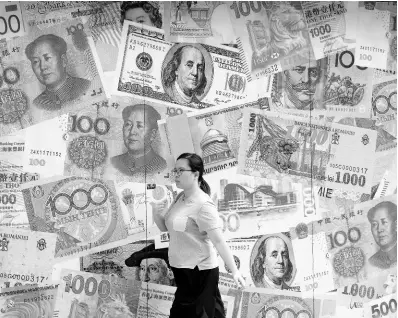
[[275, 146]]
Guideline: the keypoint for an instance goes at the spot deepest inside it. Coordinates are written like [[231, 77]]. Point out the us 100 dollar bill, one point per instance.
[[191, 74], [278, 146]]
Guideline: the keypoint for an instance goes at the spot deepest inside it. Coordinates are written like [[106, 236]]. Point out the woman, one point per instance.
[[193, 224], [145, 12]]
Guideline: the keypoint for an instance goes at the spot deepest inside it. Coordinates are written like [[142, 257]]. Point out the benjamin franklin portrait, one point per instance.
[[139, 131], [48, 58], [271, 266], [184, 74]]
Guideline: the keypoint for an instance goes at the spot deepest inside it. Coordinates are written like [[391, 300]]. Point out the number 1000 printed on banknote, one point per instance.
[[276, 146]]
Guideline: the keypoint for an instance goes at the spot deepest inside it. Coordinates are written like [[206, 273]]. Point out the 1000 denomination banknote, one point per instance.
[[211, 133], [331, 25], [271, 36], [26, 256], [275, 146], [199, 22], [191, 74], [95, 295], [332, 85], [33, 89], [260, 302], [87, 214]]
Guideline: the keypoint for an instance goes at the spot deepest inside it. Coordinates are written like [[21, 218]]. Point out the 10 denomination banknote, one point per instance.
[[271, 36], [332, 84], [191, 74], [276, 146], [34, 89]]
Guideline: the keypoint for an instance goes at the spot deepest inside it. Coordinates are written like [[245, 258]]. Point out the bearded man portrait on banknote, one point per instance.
[[383, 222], [139, 131], [184, 75], [47, 55]]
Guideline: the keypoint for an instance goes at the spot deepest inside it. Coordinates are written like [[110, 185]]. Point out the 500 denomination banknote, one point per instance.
[[330, 86], [191, 74], [276, 146], [272, 36], [32, 89]]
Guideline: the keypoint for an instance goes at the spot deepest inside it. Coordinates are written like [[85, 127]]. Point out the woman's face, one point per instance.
[[138, 15], [184, 179]]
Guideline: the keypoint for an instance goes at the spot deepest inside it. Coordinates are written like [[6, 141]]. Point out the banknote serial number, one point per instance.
[[229, 95], [349, 168], [316, 275], [36, 299], [240, 248], [45, 152]]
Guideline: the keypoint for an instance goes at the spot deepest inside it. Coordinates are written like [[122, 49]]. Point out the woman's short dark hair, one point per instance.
[[148, 6], [195, 162]]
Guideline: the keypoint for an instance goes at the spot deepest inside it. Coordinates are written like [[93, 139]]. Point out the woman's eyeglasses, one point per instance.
[[177, 172]]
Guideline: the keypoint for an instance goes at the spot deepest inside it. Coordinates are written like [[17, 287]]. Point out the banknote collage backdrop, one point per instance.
[[291, 105]]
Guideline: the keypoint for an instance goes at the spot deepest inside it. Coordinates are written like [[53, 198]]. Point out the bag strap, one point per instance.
[[178, 196]]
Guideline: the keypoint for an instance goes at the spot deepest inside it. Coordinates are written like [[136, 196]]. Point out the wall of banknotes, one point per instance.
[[291, 105]]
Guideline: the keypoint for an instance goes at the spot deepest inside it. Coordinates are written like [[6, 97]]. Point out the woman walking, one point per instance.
[[193, 224]]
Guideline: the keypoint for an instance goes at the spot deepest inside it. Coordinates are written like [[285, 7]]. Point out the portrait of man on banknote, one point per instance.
[[383, 222], [139, 131], [49, 62], [153, 265], [145, 12], [184, 75], [301, 86], [272, 267]]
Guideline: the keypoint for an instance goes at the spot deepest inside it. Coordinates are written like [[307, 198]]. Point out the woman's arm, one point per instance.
[[219, 243]]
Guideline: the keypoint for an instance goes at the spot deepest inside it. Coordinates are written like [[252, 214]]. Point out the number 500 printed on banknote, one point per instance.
[[275, 146]]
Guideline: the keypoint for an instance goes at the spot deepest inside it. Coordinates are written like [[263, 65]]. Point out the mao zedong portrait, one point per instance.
[[47, 55], [272, 267], [383, 223], [184, 75], [139, 131]]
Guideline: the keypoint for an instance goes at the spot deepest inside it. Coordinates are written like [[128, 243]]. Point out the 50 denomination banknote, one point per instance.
[[191, 74], [330, 86], [276, 146], [32, 89], [272, 36]]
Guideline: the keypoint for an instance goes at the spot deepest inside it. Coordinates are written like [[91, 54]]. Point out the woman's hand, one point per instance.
[[239, 280], [159, 208]]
